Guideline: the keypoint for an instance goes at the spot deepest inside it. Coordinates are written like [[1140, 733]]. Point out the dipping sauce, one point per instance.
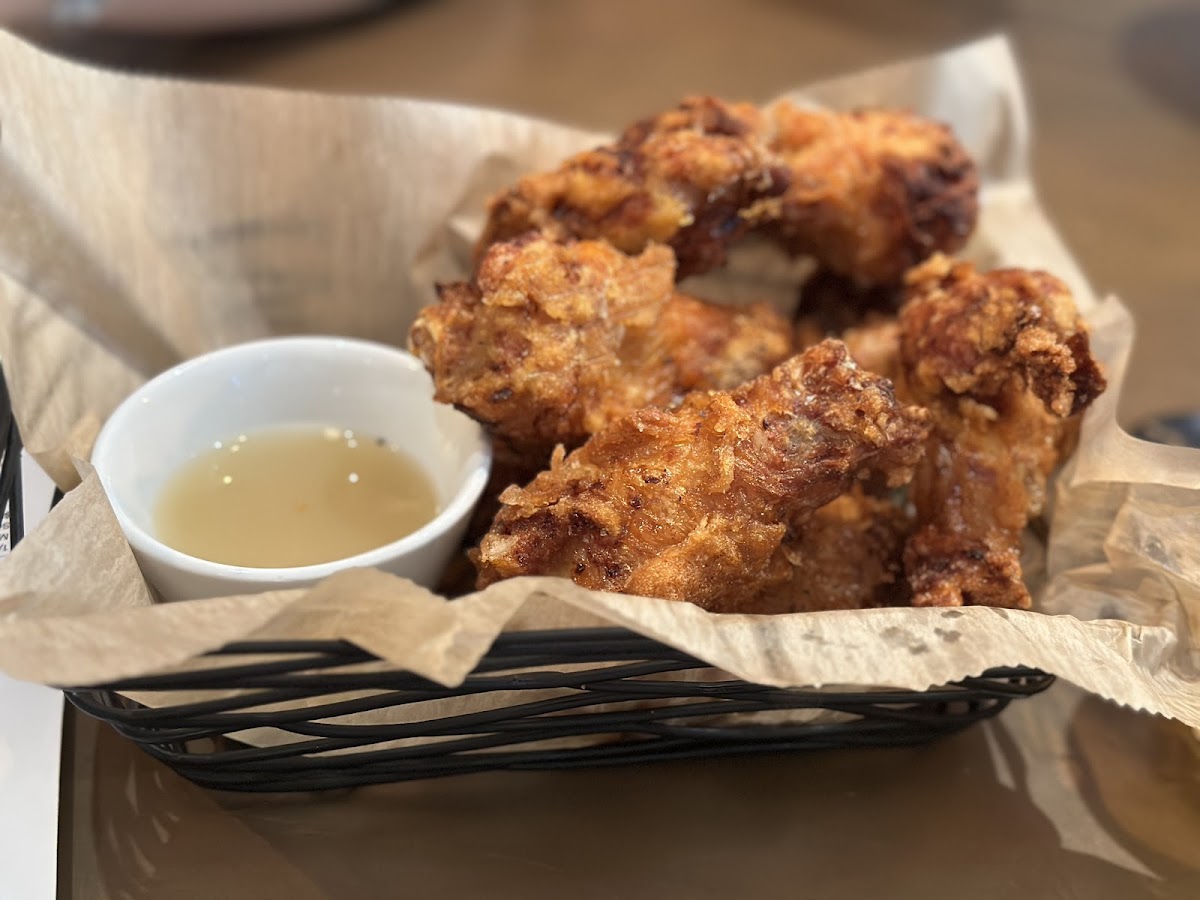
[[293, 497]]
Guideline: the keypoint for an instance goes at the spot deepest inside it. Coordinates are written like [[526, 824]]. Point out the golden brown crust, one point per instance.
[[872, 192], [847, 556], [690, 178], [551, 341], [711, 347], [985, 335], [694, 503], [1001, 359], [867, 193]]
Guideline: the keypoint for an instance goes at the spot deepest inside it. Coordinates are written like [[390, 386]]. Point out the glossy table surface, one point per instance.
[[1063, 796]]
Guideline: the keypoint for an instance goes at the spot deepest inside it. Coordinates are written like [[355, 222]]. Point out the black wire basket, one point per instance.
[[312, 715]]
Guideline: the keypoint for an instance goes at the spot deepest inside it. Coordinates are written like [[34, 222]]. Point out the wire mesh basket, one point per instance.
[[312, 715]]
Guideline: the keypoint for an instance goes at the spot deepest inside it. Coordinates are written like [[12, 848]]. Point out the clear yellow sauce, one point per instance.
[[293, 497]]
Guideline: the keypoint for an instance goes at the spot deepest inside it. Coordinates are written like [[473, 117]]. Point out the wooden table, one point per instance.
[[1065, 796]]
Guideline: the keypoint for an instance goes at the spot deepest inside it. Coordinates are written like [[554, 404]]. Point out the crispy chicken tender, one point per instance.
[[867, 193], [872, 192], [693, 178], [1002, 361], [552, 341], [695, 503]]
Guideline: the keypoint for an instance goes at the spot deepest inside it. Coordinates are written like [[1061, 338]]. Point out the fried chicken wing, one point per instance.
[[1002, 361], [871, 192], [551, 341], [847, 556], [695, 503], [867, 193], [693, 178]]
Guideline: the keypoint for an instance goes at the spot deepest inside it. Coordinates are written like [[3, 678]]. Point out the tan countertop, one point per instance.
[[1064, 796]]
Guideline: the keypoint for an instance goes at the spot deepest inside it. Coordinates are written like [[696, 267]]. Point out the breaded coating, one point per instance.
[[847, 556], [1002, 361], [872, 192], [552, 341], [694, 503], [985, 335], [693, 178], [867, 193], [707, 346]]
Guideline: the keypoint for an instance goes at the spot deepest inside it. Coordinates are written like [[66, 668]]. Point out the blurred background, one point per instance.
[[1114, 87]]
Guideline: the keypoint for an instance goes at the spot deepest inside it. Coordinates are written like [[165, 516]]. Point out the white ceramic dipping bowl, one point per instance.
[[376, 391]]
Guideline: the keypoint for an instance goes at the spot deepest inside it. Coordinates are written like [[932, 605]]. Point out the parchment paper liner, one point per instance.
[[145, 221]]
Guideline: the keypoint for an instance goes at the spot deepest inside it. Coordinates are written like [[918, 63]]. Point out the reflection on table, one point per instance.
[[1107, 807]]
